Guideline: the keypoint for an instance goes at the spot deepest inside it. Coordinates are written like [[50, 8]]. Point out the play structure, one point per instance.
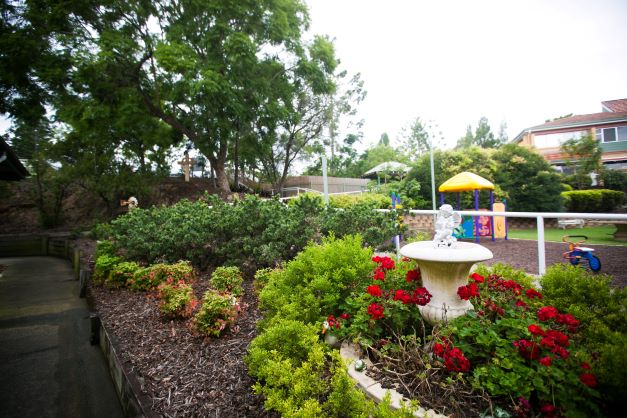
[[476, 226]]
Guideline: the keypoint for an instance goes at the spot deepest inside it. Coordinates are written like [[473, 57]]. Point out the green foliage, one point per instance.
[[299, 377], [103, 267], [150, 277], [601, 309], [585, 155], [216, 313], [506, 270], [177, 299], [376, 228], [120, 273], [314, 284], [227, 279], [614, 179], [104, 248], [373, 200], [483, 136], [262, 277], [531, 184], [593, 201]]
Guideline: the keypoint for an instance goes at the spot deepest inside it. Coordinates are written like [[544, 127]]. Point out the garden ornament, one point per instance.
[[447, 220], [132, 202], [360, 365]]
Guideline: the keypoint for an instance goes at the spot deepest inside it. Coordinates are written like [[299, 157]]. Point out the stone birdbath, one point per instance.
[[444, 266]]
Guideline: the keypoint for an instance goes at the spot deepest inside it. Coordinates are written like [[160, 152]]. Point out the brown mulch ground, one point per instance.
[[187, 375]]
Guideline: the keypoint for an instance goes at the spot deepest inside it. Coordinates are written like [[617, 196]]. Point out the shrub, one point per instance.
[[216, 313], [177, 299], [227, 280], [262, 277], [121, 273], [592, 201], [104, 248], [376, 228], [313, 285], [104, 264], [150, 277], [601, 309], [372, 200], [614, 180]]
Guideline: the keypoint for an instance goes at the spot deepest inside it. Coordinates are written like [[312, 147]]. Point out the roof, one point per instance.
[[10, 166], [619, 105], [388, 166], [464, 182], [576, 121]]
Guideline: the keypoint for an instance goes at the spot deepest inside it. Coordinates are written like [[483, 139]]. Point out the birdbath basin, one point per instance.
[[443, 271]]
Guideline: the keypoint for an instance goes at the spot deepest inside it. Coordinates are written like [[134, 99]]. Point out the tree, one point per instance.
[[483, 136], [384, 139], [415, 140], [584, 154], [530, 182]]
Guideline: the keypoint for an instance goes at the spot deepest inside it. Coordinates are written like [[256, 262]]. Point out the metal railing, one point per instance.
[[539, 216]]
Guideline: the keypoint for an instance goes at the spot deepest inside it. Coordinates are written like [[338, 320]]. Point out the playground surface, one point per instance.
[[523, 254]]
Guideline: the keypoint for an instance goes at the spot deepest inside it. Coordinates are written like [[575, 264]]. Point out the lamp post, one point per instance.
[[430, 131]]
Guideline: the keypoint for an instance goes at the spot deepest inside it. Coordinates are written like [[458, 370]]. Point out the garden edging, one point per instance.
[[350, 353]]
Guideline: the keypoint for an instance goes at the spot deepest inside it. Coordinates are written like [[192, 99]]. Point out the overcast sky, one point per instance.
[[518, 61]]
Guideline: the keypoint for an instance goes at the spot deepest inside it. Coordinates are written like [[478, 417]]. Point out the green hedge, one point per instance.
[[593, 201]]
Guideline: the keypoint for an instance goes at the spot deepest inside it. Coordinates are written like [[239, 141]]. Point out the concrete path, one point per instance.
[[47, 366]]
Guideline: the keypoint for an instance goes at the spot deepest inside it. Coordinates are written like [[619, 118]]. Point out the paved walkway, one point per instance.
[[47, 366]]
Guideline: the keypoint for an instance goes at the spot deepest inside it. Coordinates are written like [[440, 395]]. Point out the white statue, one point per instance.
[[447, 220], [132, 202]]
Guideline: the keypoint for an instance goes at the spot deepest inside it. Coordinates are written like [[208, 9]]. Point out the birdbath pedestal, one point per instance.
[[443, 271]]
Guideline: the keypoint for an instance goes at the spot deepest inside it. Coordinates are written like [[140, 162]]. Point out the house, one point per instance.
[[11, 169], [609, 127]]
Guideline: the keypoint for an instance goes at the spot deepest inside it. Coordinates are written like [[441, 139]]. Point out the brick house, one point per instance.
[[609, 127]]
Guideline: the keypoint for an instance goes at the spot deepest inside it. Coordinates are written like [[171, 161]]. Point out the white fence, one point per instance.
[[539, 216]]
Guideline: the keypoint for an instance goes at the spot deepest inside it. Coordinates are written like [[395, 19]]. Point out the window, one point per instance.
[[613, 134], [555, 140]]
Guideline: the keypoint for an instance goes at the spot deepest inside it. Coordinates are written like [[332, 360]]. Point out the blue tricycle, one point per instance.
[[577, 254]]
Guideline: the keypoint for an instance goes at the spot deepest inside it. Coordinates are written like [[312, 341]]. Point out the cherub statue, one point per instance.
[[132, 202], [447, 220]]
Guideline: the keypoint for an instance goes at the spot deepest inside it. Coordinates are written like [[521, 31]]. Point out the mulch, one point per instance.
[[184, 374]]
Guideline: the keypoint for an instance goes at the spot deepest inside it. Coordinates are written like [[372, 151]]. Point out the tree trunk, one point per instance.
[[222, 181]]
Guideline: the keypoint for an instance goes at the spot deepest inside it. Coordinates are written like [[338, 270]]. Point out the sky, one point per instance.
[[514, 61]]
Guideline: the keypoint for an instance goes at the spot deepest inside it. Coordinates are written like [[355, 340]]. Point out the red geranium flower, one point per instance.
[[374, 290], [568, 320], [559, 337], [477, 277], [535, 330], [379, 274], [376, 259], [527, 349], [521, 304], [545, 361], [344, 316], [588, 379], [438, 349], [549, 410], [403, 296], [412, 275], [387, 263], [421, 296], [532, 293], [547, 312], [376, 311], [463, 292], [585, 365], [455, 361]]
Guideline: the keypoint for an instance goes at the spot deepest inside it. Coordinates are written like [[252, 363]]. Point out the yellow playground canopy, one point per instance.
[[464, 182]]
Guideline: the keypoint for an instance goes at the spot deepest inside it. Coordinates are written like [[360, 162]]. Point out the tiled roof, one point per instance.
[[619, 105], [591, 119]]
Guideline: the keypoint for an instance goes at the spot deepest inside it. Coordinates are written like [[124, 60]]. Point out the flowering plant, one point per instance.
[[177, 298], [217, 312]]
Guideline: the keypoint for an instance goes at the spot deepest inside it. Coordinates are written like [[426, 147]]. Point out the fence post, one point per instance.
[[541, 254], [76, 263]]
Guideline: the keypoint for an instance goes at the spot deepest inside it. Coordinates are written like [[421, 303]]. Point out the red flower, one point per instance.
[[559, 337], [568, 320], [387, 263], [560, 351], [477, 277], [585, 365], [549, 410], [588, 379], [374, 290], [545, 361], [344, 316], [535, 330], [412, 275], [438, 349], [421, 296], [468, 291], [532, 293], [455, 361], [376, 311], [376, 259], [547, 312], [403, 296], [379, 274], [527, 349], [521, 304]]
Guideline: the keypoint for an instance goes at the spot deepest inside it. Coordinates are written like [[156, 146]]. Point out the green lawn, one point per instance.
[[596, 235]]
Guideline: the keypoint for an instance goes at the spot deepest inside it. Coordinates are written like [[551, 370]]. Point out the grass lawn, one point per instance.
[[601, 235]]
